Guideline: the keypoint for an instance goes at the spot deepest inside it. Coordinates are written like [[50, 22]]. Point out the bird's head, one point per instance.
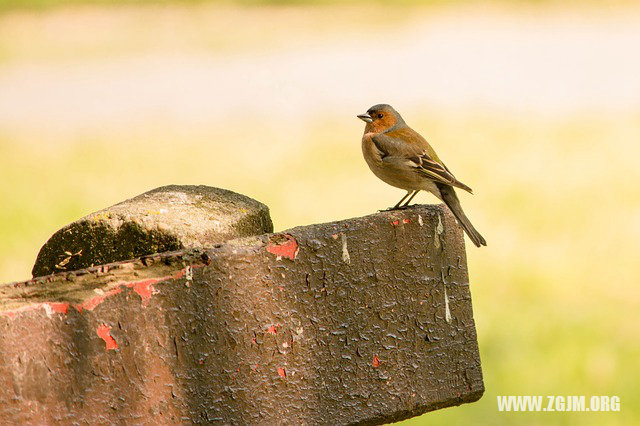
[[380, 117]]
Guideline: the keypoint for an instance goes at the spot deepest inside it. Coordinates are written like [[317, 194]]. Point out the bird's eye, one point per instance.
[[379, 115]]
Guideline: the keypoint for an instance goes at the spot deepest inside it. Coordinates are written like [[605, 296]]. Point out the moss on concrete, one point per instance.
[[164, 219]]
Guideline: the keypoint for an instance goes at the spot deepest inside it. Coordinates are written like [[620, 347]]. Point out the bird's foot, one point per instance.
[[390, 209]]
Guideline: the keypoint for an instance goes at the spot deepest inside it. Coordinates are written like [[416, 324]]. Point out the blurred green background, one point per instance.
[[536, 105]]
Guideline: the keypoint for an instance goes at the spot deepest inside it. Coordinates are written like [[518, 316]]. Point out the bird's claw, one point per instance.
[[390, 209]]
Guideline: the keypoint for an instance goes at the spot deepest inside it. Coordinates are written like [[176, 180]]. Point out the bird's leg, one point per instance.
[[397, 206], [406, 204]]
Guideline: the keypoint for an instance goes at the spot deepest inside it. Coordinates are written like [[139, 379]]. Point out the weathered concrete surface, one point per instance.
[[364, 321], [164, 219]]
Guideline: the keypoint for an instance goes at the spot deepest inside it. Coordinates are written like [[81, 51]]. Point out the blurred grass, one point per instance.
[[42, 4], [555, 293], [39, 4], [47, 4]]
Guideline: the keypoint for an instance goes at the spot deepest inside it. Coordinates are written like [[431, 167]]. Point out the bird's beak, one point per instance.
[[365, 117]]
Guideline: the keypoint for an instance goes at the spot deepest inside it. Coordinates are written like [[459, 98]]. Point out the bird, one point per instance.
[[401, 157]]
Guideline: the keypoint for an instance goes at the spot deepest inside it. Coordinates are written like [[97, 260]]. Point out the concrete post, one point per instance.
[[362, 321]]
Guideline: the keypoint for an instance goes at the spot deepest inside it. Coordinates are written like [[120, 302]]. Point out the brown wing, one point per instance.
[[418, 157], [436, 171], [395, 147]]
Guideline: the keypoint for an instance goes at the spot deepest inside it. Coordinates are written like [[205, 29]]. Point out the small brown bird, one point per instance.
[[399, 156]]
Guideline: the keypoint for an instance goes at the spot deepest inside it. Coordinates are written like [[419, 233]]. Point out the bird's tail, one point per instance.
[[451, 200]]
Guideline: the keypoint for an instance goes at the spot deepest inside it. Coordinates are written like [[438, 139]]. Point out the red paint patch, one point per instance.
[[273, 329], [282, 373], [176, 276], [406, 220], [59, 307], [104, 333], [376, 361], [395, 223], [145, 290], [11, 314], [288, 248], [95, 301]]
